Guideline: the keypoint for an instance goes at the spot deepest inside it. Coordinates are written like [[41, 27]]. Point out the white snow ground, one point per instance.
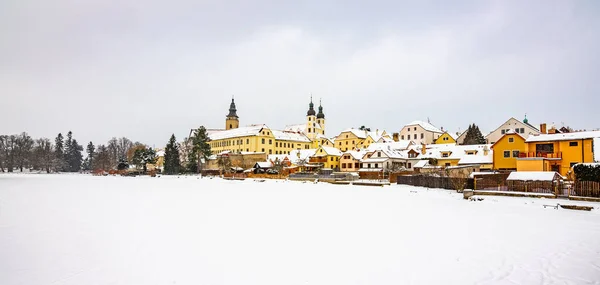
[[79, 229]]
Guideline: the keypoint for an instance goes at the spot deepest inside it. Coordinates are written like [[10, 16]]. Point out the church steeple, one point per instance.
[[232, 109], [311, 108], [232, 121], [320, 115]]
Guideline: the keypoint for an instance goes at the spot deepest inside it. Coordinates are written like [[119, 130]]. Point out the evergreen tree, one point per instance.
[[200, 146], [68, 151], [59, 153], [144, 156], [172, 163], [75, 156], [473, 136], [90, 158]]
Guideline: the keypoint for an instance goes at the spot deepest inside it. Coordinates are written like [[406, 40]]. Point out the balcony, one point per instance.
[[553, 155], [318, 159]]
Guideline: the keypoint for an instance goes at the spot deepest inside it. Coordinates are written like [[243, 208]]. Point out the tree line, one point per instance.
[[65, 154]]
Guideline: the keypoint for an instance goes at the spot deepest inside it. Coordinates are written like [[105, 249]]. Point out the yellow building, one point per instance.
[[260, 138], [327, 157], [446, 138], [557, 152], [507, 150], [354, 139]]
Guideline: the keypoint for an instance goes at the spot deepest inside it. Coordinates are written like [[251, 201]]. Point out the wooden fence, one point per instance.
[[533, 186], [436, 182], [587, 189]]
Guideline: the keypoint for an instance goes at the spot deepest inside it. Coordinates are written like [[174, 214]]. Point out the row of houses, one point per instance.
[[514, 145]]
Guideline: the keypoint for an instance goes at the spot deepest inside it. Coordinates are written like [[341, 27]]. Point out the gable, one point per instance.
[[505, 139]]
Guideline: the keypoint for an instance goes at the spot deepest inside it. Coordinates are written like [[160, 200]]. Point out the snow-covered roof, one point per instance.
[[399, 145], [253, 130], [533, 175], [453, 151], [264, 164], [332, 151], [303, 154], [356, 154], [356, 132], [299, 128], [375, 160], [280, 157], [478, 158], [160, 153], [424, 125], [563, 137], [421, 163], [290, 136]]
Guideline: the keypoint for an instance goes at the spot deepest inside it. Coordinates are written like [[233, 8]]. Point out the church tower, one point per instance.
[[311, 123], [321, 119], [232, 121]]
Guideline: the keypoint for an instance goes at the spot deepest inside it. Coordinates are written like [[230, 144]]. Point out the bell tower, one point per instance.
[[232, 121], [321, 119], [311, 121]]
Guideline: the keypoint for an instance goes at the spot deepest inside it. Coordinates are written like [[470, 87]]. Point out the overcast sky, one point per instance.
[[146, 69]]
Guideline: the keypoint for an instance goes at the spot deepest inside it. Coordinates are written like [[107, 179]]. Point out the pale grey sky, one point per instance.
[[146, 69]]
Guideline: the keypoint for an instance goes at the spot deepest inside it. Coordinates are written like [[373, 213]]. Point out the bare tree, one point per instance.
[[123, 145], [113, 151], [8, 149], [2, 152], [24, 146], [44, 154], [458, 178], [102, 159]]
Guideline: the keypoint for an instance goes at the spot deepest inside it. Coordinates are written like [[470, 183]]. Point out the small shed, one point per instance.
[[262, 166], [534, 181]]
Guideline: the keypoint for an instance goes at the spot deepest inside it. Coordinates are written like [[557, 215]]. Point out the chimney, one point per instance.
[[376, 132], [423, 148], [486, 151], [543, 128], [396, 137]]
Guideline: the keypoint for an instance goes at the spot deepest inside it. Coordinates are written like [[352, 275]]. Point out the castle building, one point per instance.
[[261, 139]]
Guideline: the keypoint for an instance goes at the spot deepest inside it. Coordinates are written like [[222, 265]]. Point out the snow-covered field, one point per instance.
[[79, 229]]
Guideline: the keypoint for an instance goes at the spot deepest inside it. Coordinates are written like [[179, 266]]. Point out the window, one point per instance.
[[511, 140], [346, 143], [270, 151], [270, 141], [422, 135], [263, 140], [376, 165], [573, 143], [516, 153], [361, 165], [503, 132], [276, 144], [447, 164], [263, 150], [402, 137], [544, 148], [343, 165], [522, 130], [415, 128], [248, 150], [247, 141], [379, 154], [409, 165], [415, 136], [369, 165], [507, 153], [331, 159], [444, 154], [517, 130]]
